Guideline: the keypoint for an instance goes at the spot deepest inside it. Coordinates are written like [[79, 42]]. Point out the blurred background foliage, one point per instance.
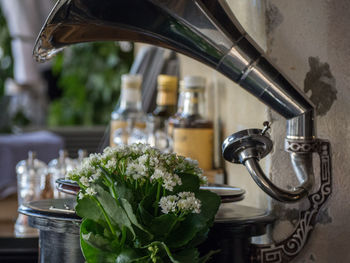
[[6, 61], [89, 77]]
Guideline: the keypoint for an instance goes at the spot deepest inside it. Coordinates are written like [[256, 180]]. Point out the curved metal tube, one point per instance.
[[268, 187], [303, 169]]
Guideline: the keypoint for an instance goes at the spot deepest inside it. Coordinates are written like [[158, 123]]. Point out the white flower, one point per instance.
[[170, 181], [70, 175], [168, 203], [94, 158], [142, 159], [95, 176], [81, 195], [191, 161], [90, 191], [188, 203], [184, 195], [184, 202], [136, 170], [84, 181], [158, 174], [153, 161], [86, 167], [111, 164], [203, 179]]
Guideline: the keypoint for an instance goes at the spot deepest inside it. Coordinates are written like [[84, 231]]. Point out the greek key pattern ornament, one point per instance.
[[289, 248]]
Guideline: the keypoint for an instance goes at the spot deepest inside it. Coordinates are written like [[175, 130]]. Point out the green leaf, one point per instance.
[[145, 216], [190, 255], [194, 227], [200, 237], [93, 247], [124, 192], [93, 234], [210, 205], [128, 255], [114, 210], [95, 255], [87, 208], [190, 183], [162, 225], [132, 217], [186, 231], [145, 209]]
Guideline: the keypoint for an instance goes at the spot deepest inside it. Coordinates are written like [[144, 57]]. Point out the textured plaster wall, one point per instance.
[[310, 42]]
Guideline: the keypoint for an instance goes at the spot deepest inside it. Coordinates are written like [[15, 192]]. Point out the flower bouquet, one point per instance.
[[141, 205]]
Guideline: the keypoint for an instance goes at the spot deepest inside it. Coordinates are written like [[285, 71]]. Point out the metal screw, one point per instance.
[[267, 126]]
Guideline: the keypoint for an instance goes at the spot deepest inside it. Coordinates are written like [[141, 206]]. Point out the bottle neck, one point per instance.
[[130, 98], [166, 97], [180, 103], [193, 103]]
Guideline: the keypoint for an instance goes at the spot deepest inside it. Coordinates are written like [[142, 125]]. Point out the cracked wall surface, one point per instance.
[[312, 46]]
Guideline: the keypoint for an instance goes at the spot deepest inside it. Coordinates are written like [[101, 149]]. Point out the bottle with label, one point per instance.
[[166, 99], [130, 106], [192, 132]]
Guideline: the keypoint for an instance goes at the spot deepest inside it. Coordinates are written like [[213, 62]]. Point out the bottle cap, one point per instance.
[[167, 82], [191, 82], [132, 81]]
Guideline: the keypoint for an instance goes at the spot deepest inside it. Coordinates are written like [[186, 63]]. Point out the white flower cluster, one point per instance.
[[136, 162], [184, 202], [189, 165], [89, 191], [169, 180], [137, 168]]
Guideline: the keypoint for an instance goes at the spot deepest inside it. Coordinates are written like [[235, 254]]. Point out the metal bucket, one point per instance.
[[58, 226]]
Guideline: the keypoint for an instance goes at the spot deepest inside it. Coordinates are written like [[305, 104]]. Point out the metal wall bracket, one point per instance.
[[289, 248]]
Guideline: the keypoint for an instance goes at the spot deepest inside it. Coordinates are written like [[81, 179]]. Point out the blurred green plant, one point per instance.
[[6, 61], [89, 76]]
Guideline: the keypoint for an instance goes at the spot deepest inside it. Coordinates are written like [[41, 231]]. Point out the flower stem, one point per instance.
[[172, 226], [115, 195], [122, 242], [147, 186], [157, 200], [105, 215]]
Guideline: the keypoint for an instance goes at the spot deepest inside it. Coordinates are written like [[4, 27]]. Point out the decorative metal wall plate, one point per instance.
[[289, 248]]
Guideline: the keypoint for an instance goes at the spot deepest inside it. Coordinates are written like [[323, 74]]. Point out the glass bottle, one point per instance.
[[157, 137], [192, 132], [31, 175], [82, 153], [166, 100], [58, 168], [130, 106]]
